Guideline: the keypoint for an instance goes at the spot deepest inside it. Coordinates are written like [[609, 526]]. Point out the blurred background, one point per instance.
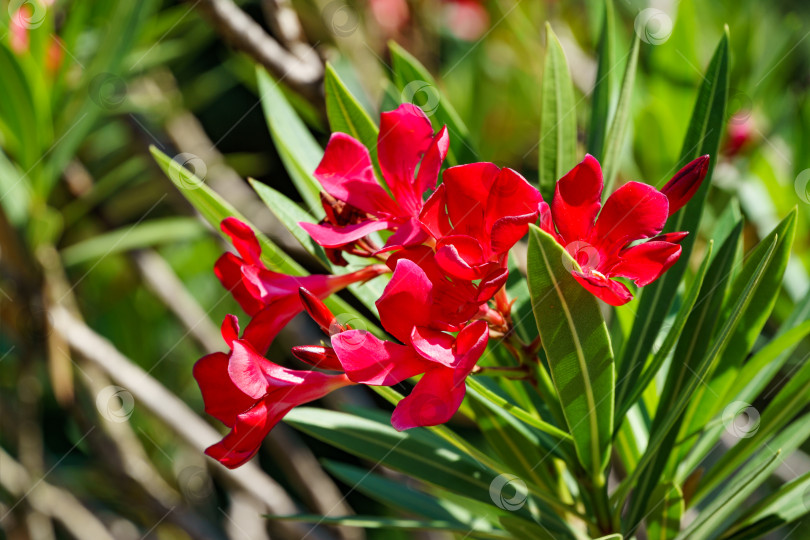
[[106, 284]]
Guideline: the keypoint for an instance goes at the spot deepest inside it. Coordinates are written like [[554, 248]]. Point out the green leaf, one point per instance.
[[664, 520], [141, 235], [629, 389], [346, 115], [754, 377], [604, 88], [412, 79], [399, 497], [373, 522], [777, 510], [402, 451], [654, 458], [788, 403], [734, 494], [520, 528], [560, 437], [577, 347], [621, 120], [516, 446], [706, 401], [214, 209], [296, 146], [702, 137], [558, 123]]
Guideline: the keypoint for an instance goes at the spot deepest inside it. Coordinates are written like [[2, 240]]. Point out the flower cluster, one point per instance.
[[447, 256]]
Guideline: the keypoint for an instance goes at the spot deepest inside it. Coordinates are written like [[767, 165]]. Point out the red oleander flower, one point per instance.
[[608, 246], [476, 215], [271, 298], [251, 394], [444, 360], [406, 144]]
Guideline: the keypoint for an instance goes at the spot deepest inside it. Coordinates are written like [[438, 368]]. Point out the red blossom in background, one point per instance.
[[250, 394], [606, 247]]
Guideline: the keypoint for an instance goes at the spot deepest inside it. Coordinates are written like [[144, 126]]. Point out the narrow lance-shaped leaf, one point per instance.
[[374, 522], [415, 83], [577, 346], [755, 376], [709, 520], [346, 115], [296, 146], [702, 137], [603, 89], [621, 120], [664, 519], [707, 401], [629, 390], [643, 478], [558, 123], [777, 510], [214, 209], [788, 403]]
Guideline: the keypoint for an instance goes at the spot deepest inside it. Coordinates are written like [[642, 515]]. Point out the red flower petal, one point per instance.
[[512, 196], [244, 440], [318, 356], [406, 300], [460, 256], [369, 360], [228, 270], [243, 239], [409, 233], [613, 292], [577, 199], [330, 236], [646, 262], [245, 371], [222, 399], [632, 212], [468, 188], [346, 173], [434, 213], [433, 401], [433, 345], [405, 136], [428, 174], [683, 186]]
